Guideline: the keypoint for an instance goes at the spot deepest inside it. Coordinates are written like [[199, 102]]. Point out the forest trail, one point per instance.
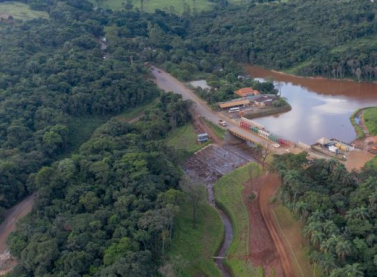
[[270, 185], [11, 217]]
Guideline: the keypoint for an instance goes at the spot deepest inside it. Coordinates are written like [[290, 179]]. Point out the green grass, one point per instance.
[[291, 232], [359, 131], [370, 120], [184, 138], [370, 42], [21, 11], [197, 246], [296, 69], [219, 132], [81, 129], [176, 6], [372, 163], [137, 111], [228, 195]]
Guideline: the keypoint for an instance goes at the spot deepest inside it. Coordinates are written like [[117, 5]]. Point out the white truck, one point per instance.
[[222, 123]]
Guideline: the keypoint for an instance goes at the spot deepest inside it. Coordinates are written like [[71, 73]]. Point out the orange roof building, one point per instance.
[[243, 92]]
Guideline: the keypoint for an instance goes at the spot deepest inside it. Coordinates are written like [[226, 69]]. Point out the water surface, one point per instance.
[[320, 107]]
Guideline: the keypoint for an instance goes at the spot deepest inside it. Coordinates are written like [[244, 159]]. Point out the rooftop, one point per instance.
[[246, 91], [236, 103]]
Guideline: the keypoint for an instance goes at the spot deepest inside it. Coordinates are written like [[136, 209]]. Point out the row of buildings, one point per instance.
[[249, 96]]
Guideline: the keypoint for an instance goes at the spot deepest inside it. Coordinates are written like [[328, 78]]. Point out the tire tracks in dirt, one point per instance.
[[270, 185]]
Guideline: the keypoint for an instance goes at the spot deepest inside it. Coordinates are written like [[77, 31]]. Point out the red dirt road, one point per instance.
[[11, 218], [271, 183], [266, 247]]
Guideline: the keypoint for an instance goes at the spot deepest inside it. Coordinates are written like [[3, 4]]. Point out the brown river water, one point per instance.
[[320, 107]]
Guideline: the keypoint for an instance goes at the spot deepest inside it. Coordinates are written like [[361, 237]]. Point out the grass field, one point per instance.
[[81, 129], [21, 11], [136, 112], [184, 138], [228, 195], [370, 120], [372, 163], [176, 6], [197, 246], [290, 230], [219, 132]]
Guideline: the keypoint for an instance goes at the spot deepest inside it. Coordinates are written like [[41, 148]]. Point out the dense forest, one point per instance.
[[107, 210], [339, 210], [315, 37], [50, 73]]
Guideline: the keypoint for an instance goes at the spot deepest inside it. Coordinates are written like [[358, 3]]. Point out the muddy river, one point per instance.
[[320, 107]]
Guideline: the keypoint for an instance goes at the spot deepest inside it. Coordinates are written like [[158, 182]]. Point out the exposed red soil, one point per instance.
[[266, 247]]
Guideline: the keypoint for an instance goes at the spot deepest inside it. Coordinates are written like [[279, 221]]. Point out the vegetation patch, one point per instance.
[[370, 120], [228, 195], [268, 111], [219, 132], [21, 11], [81, 129], [185, 138], [196, 247], [290, 230], [359, 131], [137, 111], [175, 6]]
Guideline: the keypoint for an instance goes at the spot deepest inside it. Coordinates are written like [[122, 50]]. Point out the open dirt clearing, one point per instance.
[[357, 159]]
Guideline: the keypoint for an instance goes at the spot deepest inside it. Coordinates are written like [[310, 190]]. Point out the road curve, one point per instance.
[[168, 83]]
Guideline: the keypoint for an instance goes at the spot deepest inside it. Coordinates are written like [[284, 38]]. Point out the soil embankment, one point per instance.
[[266, 247], [263, 252]]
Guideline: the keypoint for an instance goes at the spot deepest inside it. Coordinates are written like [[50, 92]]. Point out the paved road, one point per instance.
[[167, 82]]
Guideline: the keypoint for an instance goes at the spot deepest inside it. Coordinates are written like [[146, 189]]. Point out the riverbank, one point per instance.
[[267, 111], [365, 124]]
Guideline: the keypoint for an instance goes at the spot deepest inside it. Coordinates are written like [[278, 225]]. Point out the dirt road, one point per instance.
[[271, 183], [168, 83], [262, 248], [11, 218]]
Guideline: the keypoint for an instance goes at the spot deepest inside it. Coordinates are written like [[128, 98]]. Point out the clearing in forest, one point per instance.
[[192, 250], [21, 11], [176, 6]]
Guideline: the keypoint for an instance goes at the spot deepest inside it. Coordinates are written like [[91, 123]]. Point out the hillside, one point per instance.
[[329, 38]]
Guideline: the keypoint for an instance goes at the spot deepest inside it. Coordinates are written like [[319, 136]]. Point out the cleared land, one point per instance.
[[370, 120], [228, 195], [21, 11], [185, 138], [177, 6], [197, 246]]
